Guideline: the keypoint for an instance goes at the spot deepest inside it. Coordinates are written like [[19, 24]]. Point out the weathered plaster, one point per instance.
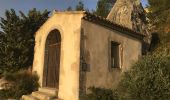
[[68, 25], [97, 43]]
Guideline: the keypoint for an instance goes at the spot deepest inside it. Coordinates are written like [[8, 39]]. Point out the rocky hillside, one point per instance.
[[131, 14]]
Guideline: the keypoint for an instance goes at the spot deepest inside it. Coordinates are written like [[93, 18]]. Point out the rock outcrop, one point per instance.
[[131, 14]]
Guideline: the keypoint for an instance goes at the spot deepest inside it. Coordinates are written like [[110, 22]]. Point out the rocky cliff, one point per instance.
[[131, 14]]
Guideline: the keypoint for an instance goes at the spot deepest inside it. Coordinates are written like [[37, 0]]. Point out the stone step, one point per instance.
[[43, 95], [51, 91], [29, 97]]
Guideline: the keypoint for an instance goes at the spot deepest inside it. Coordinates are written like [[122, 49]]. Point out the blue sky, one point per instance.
[[25, 5]]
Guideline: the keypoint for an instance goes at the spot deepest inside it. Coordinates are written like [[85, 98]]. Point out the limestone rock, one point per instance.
[[131, 14]]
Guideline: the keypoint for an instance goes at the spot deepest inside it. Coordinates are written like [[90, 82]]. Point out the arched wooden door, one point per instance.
[[52, 60]]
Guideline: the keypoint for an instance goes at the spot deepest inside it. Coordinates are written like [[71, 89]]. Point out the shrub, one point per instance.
[[23, 82], [100, 94], [149, 79]]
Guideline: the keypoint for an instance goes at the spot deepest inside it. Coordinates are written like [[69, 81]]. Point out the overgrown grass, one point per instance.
[[23, 82]]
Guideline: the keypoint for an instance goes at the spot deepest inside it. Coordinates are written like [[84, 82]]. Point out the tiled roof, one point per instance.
[[111, 25]]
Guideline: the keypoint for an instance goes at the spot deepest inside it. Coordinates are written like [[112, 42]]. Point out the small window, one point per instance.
[[115, 63]]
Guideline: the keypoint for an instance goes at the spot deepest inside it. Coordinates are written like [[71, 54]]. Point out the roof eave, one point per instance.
[[111, 25]]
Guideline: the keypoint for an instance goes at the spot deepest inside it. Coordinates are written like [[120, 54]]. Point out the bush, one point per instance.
[[23, 82], [149, 79], [100, 94]]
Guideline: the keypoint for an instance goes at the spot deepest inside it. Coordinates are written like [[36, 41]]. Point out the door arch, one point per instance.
[[52, 60]]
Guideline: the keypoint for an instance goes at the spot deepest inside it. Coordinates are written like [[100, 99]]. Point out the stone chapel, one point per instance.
[[75, 50]]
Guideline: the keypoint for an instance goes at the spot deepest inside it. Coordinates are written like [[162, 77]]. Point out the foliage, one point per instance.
[[155, 41], [149, 79], [159, 15], [80, 6], [23, 82], [160, 45], [103, 7], [157, 5], [17, 38], [69, 8], [100, 94]]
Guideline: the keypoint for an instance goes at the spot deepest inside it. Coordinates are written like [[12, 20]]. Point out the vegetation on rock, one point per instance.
[[159, 15]]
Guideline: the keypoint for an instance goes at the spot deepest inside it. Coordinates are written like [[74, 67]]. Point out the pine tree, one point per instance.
[[69, 8], [103, 7], [80, 6], [17, 38]]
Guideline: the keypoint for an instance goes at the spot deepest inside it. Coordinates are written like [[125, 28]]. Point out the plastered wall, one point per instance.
[[97, 51], [68, 24]]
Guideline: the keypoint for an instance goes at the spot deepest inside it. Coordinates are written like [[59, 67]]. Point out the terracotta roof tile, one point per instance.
[[110, 24]]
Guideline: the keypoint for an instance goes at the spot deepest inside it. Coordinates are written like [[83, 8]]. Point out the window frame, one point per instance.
[[120, 55], [115, 54]]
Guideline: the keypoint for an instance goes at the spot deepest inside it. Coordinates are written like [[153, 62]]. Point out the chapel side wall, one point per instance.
[[68, 25], [97, 54]]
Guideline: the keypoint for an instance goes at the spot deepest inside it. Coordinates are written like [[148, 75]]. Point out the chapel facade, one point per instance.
[[77, 50]]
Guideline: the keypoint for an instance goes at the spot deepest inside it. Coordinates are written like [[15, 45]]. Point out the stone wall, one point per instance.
[[131, 14], [96, 51]]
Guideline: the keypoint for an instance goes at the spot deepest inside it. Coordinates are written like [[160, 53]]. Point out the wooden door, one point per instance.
[[52, 60], [53, 66]]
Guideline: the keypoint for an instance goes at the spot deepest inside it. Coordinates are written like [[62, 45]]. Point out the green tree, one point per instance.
[[69, 8], [103, 7], [17, 38], [79, 6]]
